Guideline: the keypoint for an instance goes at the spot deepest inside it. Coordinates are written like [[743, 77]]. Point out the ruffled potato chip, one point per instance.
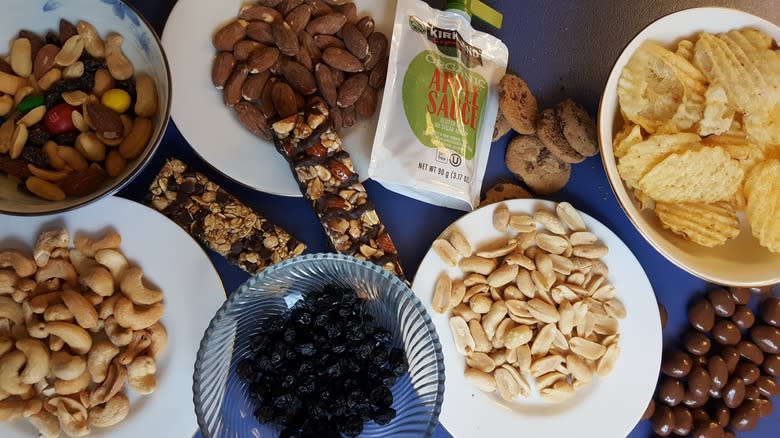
[[685, 50], [718, 112], [706, 224], [762, 192], [643, 155], [630, 135]]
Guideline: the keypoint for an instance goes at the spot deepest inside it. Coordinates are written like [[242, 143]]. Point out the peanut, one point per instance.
[[44, 189], [135, 142]]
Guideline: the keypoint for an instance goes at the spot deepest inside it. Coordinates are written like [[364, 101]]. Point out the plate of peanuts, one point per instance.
[[101, 314], [547, 322], [238, 66]]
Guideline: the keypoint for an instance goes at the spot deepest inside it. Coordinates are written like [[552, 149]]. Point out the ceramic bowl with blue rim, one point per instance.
[[142, 48]]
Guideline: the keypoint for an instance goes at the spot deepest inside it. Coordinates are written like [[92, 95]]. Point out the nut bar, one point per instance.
[[218, 219], [327, 179]]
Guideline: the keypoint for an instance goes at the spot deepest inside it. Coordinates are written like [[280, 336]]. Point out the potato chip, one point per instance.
[[762, 190], [685, 50], [643, 155], [738, 148], [704, 175], [630, 135], [718, 113], [706, 224]]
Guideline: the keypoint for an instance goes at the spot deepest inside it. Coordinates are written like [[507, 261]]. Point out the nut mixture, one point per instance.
[[275, 55], [536, 304], [76, 325], [73, 111]]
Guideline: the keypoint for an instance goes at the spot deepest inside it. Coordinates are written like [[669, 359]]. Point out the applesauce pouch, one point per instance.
[[439, 106]]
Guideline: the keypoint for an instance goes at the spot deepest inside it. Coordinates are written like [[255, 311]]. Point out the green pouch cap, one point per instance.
[[479, 10]]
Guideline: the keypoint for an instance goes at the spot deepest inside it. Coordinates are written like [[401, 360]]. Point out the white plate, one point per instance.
[[211, 128], [172, 261], [611, 405]]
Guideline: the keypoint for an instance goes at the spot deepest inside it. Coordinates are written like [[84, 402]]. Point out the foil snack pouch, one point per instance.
[[439, 107]]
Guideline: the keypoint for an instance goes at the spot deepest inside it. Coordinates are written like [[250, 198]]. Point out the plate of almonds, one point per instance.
[[546, 319], [238, 66]]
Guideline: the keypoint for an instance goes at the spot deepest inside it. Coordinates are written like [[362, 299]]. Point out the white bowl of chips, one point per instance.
[[689, 128]]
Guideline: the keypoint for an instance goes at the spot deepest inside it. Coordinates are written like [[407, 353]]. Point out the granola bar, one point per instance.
[[328, 180], [218, 219]]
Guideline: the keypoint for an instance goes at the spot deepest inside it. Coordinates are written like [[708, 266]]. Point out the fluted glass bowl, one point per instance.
[[222, 403]]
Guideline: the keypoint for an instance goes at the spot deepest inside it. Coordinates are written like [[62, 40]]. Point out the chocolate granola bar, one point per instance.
[[327, 179], [218, 219]]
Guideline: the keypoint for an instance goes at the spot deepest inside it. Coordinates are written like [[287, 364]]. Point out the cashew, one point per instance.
[[57, 268], [37, 360], [6, 344], [93, 298], [98, 279], [35, 327], [93, 44], [135, 317], [39, 303], [8, 281], [66, 366], [100, 357], [11, 365], [90, 146], [47, 242], [72, 415], [74, 386], [141, 375], [57, 312], [159, 336], [117, 334], [24, 287], [119, 66], [141, 341], [111, 412], [23, 265], [115, 381], [89, 247], [76, 337], [135, 142], [47, 424], [11, 310], [82, 309], [113, 260], [107, 306], [146, 96], [132, 286], [14, 409], [56, 343]]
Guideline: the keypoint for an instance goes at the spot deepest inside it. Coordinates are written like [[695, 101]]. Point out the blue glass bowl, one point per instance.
[[222, 403]]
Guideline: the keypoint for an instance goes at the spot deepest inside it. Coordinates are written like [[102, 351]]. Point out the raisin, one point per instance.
[[35, 156], [53, 38], [37, 136], [67, 139]]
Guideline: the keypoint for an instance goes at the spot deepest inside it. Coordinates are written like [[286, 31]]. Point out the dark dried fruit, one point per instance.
[[83, 182]]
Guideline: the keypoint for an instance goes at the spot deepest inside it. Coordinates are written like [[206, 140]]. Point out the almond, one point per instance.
[[266, 100], [285, 38], [325, 41], [244, 48], [351, 89], [5, 67], [222, 68], [308, 44], [260, 31], [232, 91], [253, 86], [269, 3], [299, 17], [299, 77], [253, 119], [348, 116], [341, 59], [377, 50], [283, 97], [350, 11], [367, 103], [366, 25], [326, 24], [259, 13], [231, 33], [103, 120], [328, 83], [304, 56], [82, 182], [354, 41], [262, 59], [319, 8], [286, 6], [66, 30], [378, 74], [44, 60], [36, 42]]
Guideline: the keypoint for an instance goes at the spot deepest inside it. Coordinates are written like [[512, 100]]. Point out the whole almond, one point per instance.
[[325, 41], [244, 48], [348, 116], [337, 117], [308, 44], [285, 38], [326, 24], [103, 120], [259, 13], [266, 100], [351, 89], [366, 25], [260, 31], [44, 60], [319, 8], [5, 67], [262, 59], [231, 33], [253, 119], [232, 92], [269, 3], [378, 74], [222, 68], [283, 97], [253, 86], [377, 50], [367, 103], [36, 42], [66, 30], [286, 6], [341, 59], [299, 17], [327, 82], [350, 11], [354, 41], [299, 77]]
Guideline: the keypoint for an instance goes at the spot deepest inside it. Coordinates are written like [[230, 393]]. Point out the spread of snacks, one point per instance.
[[77, 323], [75, 111], [275, 55], [698, 144], [325, 366], [548, 142], [218, 219], [534, 304]]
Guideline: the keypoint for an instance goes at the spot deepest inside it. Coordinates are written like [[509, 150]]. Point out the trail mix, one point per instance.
[[73, 110]]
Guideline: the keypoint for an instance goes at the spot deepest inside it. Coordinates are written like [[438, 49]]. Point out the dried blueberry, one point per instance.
[[384, 416]]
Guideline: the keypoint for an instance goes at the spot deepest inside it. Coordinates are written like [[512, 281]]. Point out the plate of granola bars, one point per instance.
[[545, 318], [216, 131]]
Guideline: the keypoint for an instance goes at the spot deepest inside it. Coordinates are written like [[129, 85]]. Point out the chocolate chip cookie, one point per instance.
[[548, 128], [502, 126], [517, 104], [577, 126], [503, 191], [531, 161]]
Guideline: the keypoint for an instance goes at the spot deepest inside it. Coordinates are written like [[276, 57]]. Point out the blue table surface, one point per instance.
[[562, 48]]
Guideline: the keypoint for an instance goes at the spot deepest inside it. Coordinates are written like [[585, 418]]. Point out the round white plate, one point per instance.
[[172, 261], [211, 128], [611, 405]]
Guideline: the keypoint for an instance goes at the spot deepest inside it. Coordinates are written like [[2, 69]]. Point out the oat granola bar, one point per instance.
[[327, 179], [218, 219]]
